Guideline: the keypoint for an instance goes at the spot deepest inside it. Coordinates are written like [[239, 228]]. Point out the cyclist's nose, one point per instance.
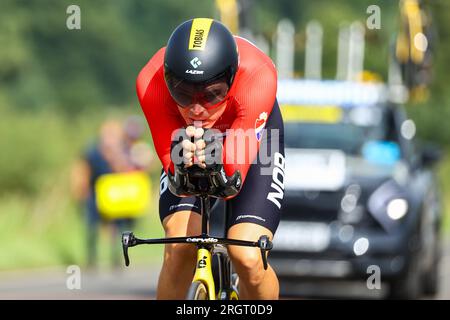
[[197, 109]]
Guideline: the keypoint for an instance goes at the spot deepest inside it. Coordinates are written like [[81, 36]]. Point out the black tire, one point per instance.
[[409, 285], [197, 291], [215, 272], [431, 276], [431, 281], [224, 292]]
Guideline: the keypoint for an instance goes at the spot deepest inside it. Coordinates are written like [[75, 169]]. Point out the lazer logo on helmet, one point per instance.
[[194, 71], [195, 62]]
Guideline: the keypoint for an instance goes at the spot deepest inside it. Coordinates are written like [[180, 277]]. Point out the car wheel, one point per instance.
[[409, 285], [431, 276]]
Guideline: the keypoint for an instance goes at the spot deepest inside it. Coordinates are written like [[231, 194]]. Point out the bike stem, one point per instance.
[[205, 210]]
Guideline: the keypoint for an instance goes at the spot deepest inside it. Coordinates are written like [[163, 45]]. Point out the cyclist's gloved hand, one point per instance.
[[210, 154], [197, 157], [209, 150], [183, 147], [182, 156]]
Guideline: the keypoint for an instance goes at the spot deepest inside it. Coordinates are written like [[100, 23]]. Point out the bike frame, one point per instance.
[[203, 271]]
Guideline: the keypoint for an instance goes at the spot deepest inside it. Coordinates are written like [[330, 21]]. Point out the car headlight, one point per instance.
[[388, 204], [397, 208]]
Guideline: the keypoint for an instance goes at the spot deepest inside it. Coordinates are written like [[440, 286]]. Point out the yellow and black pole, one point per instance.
[[411, 32], [412, 51], [229, 14]]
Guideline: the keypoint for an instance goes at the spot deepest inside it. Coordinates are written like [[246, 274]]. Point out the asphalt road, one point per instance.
[[139, 282]]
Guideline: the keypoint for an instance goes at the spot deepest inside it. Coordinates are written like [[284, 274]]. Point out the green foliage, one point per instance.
[[35, 146], [44, 63], [430, 116], [49, 230], [36, 209]]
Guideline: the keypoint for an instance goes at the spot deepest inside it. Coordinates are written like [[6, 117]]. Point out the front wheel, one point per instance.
[[197, 291], [234, 294]]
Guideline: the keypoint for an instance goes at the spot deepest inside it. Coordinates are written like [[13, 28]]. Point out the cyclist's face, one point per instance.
[[186, 93], [206, 114], [204, 117]]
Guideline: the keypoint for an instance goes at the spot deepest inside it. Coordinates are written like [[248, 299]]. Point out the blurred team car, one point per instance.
[[360, 192]]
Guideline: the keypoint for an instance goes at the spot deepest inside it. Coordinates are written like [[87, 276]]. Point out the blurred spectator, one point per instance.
[[117, 150], [140, 153]]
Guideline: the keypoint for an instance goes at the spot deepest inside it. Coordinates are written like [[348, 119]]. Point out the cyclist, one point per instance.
[[206, 78]]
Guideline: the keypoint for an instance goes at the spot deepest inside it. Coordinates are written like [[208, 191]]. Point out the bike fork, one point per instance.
[[203, 271]]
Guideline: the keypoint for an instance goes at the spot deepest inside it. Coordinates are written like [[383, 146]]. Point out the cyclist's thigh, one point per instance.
[[248, 231], [257, 203], [261, 198], [180, 216], [182, 223]]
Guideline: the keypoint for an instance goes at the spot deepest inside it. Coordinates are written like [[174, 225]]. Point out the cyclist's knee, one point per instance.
[[179, 255], [180, 224], [248, 264]]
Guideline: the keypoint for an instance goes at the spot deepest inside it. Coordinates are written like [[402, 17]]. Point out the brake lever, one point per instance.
[[264, 245], [128, 240]]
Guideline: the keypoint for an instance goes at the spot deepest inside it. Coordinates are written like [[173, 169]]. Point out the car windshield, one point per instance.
[[348, 137]]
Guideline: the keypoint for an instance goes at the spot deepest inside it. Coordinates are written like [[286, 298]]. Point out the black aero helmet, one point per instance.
[[200, 62]]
